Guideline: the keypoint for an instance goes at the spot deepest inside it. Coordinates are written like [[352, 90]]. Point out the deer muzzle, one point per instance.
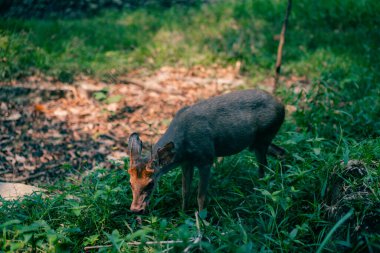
[[139, 203], [139, 208]]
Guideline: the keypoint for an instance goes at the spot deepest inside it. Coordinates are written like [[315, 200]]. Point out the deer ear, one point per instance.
[[166, 154], [134, 147]]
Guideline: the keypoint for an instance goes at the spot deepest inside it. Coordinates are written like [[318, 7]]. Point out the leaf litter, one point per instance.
[[51, 130]]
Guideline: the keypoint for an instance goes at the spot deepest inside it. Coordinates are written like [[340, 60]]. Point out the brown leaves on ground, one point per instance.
[[50, 129]]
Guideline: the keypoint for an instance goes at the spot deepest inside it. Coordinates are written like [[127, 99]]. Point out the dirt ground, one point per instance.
[[50, 130]]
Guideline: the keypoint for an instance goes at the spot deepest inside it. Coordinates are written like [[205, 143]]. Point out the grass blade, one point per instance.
[[336, 226]]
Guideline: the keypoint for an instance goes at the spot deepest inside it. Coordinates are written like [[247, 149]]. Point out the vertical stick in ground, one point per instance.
[[281, 45]]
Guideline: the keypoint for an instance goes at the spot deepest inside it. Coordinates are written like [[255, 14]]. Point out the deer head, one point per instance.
[[145, 172]]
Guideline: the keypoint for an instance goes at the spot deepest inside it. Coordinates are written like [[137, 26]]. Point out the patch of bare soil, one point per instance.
[[49, 130]]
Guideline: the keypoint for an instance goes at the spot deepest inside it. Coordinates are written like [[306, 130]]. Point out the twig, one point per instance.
[[22, 179], [281, 45], [197, 223], [41, 87], [130, 81], [195, 241], [154, 243], [199, 237], [145, 87], [88, 248]]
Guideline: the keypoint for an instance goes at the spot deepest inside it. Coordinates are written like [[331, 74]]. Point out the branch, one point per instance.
[[147, 87], [89, 248], [193, 241], [281, 45], [22, 178]]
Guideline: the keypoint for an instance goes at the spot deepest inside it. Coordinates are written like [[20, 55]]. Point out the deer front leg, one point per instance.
[[187, 178], [204, 176]]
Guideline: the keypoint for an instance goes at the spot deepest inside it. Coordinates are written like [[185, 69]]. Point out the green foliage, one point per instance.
[[321, 35], [283, 211], [348, 107]]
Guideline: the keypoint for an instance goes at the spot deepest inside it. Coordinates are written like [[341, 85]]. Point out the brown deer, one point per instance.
[[220, 126]]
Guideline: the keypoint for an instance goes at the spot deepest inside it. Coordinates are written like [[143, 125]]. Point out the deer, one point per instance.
[[220, 126]]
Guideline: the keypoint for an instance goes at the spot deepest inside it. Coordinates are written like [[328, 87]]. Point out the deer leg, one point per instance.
[[187, 178], [204, 176], [261, 156]]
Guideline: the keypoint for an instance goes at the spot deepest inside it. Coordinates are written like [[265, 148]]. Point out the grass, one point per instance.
[[283, 212], [306, 204], [321, 37]]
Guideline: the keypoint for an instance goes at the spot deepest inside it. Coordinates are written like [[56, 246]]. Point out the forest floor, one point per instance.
[[51, 129]]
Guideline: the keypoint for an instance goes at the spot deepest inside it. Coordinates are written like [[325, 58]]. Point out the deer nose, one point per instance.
[[138, 209]]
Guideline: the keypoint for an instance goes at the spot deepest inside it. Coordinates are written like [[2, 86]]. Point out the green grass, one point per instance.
[[337, 120], [283, 212], [321, 36]]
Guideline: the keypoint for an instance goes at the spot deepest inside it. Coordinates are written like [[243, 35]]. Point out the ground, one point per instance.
[[52, 129]]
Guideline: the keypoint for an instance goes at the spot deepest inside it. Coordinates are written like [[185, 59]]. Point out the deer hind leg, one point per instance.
[[204, 176], [261, 150], [187, 178], [261, 156]]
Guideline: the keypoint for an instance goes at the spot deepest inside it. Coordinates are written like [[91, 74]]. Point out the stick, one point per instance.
[[281, 45], [88, 248], [23, 178], [199, 237], [194, 241], [145, 87]]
